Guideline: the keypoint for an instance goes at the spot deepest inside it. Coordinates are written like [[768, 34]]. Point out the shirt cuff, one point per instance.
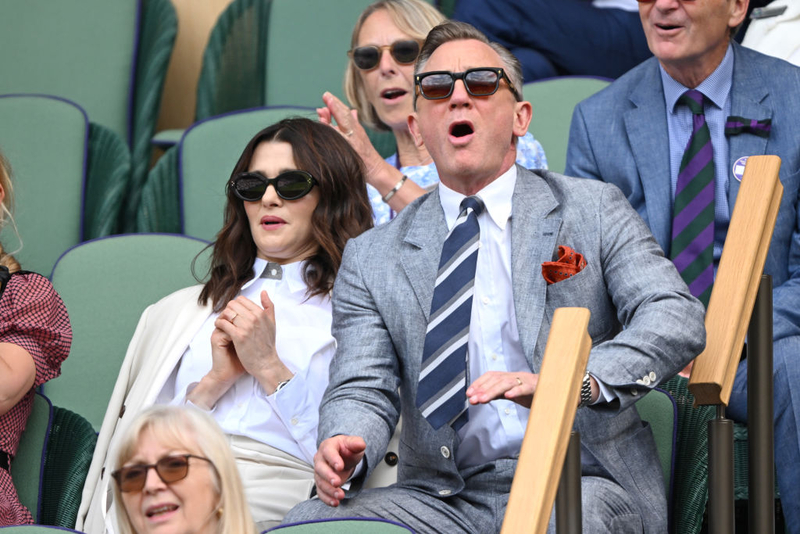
[[606, 394]]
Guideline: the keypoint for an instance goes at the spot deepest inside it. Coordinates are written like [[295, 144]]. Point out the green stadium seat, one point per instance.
[[109, 57], [45, 141], [28, 465], [553, 101], [106, 284]]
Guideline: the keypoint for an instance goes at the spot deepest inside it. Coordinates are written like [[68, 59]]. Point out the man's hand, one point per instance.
[[518, 387], [334, 463]]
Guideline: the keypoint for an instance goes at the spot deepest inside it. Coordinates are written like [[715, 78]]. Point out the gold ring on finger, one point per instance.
[[518, 380]]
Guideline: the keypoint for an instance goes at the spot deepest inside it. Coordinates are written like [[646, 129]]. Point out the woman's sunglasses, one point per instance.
[[367, 57], [169, 468], [483, 81], [290, 185]]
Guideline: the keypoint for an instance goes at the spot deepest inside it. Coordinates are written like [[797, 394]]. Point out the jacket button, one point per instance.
[[646, 380], [445, 492], [634, 391], [122, 411], [390, 459], [445, 451], [652, 376]]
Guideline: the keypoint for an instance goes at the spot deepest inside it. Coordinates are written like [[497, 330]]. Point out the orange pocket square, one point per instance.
[[569, 264]]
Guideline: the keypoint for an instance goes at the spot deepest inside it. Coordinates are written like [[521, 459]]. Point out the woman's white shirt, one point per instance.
[[288, 419]]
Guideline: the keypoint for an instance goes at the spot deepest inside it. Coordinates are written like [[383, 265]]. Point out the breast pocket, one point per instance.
[[586, 289]]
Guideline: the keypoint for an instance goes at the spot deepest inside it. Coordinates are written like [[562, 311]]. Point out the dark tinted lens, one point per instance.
[[366, 57], [172, 468], [436, 85], [249, 186], [292, 185], [481, 82], [132, 478], [405, 51]]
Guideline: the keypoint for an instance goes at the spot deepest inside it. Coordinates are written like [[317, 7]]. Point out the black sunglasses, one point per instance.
[[483, 81], [169, 468], [290, 185], [367, 57]]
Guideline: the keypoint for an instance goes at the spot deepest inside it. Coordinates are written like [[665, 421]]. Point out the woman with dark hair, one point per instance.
[[35, 337], [252, 346]]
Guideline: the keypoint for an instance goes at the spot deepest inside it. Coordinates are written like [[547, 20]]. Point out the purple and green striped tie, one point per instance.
[[693, 210]]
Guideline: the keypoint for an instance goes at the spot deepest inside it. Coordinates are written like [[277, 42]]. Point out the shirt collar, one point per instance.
[[715, 88], [292, 275], [496, 197]]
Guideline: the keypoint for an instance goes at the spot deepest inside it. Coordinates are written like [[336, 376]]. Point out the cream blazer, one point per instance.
[[164, 331]]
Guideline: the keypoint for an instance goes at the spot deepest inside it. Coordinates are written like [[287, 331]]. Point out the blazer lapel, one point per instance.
[[747, 100], [533, 239], [422, 249], [646, 126]]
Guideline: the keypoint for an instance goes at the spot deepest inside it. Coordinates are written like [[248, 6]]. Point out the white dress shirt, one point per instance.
[[495, 430], [288, 419]]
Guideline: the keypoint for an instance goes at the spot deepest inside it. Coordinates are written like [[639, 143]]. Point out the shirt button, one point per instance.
[[485, 300], [494, 356], [445, 451], [294, 421], [274, 272], [508, 411], [445, 492]]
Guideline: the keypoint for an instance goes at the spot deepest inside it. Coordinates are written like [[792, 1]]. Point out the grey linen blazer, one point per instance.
[[644, 323]]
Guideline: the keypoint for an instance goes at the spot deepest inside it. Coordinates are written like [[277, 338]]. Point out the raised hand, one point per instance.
[[334, 463]]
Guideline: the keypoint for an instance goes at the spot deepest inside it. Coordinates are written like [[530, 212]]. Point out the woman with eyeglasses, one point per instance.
[[35, 337], [176, 473], [252, 346], [379, 84]]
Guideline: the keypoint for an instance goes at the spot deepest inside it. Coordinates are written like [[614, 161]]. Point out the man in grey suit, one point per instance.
[[455, 474], [633, 134]]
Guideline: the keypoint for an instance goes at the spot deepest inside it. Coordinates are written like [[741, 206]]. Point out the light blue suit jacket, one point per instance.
[[382, 298], [620, 136]]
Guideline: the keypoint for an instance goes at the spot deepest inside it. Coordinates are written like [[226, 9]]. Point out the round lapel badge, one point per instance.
[[738, 168]]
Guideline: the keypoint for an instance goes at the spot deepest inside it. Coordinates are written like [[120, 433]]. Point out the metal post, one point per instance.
[[720, 474], [761, 465], [568, 498]]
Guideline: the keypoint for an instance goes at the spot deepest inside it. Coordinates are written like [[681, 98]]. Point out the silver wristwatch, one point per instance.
[[586, 391]]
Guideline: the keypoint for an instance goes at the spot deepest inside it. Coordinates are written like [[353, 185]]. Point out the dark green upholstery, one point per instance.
[[107, 184], [201, 165], [44, 140], [690, 485], [553, 101], [343, 526], [156, 40], [26, 467], [69, 454], [106, 284]]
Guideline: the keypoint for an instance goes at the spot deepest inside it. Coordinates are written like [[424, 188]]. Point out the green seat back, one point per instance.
[[658, 409], [44, 140], [343, 526], [26, 467], [307, 46], [208, 152], [106, 284], [81, 50], [553, 101]]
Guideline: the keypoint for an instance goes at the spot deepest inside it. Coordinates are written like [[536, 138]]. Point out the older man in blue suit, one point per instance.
[[443, 315], [637, 132]]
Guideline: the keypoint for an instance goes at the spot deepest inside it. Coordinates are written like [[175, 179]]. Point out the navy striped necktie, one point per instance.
[[692, 248], [442, 389]]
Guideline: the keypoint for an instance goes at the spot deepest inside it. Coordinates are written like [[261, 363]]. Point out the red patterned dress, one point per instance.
[[33, 317]]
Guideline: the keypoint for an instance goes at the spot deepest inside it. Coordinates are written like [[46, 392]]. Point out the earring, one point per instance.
[[219, 512]]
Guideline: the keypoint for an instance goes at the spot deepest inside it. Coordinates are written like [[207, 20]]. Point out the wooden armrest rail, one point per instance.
[[550, 423], [737, 280]]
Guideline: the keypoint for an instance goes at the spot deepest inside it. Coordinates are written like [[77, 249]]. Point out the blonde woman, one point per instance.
[[35, 337], [379, 84], [176, 473]]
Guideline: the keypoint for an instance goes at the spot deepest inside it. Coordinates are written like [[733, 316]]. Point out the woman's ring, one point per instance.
[[349, 133], [518, 380], [235, 315]]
